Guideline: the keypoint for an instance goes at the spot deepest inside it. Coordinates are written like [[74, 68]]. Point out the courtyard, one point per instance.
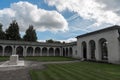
[[60, 68], [59, 40]]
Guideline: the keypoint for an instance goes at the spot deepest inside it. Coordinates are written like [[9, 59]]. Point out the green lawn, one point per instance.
[[47, 58], [78, 71], [4, 58]]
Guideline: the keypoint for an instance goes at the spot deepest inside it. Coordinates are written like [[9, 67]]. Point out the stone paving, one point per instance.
[[22, 73]]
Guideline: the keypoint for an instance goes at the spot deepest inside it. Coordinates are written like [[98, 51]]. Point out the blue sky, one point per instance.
[[60, 19]]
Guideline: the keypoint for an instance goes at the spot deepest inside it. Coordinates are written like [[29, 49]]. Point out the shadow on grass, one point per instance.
[[48, 58]]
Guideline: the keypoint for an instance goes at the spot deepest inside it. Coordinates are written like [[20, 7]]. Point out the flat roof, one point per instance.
[[13, 42], [101, 30]]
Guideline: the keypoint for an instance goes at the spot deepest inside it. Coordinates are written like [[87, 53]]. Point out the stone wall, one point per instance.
[[112, 42]]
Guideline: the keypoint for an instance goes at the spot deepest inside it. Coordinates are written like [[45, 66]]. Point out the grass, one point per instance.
[[5, 58], [78, 71], [48, 58]]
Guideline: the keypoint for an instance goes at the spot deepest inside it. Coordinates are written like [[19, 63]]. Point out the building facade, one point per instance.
[[21, 48], [102, 45]]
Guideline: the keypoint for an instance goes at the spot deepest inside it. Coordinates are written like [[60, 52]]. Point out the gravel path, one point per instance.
[[22, 73]]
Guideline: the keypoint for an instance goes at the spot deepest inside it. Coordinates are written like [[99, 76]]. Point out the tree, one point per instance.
[[30, 34], [63, 42], [12, 33], [2, 33], [57, 42], [52, 41], [49, 41]]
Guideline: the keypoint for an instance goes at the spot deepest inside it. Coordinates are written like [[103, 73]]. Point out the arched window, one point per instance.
[[84, 49], [70, 51], [19, 51], [8, 51], [92, 49], [37, 51], [64, 52], [67, 52], [29, 51], [103, 49], [1, 50], [44, 51], [51, 52], [57, 52]]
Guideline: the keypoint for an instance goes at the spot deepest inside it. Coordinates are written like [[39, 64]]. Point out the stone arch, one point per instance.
[[30, 51], [44, 51], [67, 52], [8, 51], [103, 49], [92, 46], [37, 51], [70, 52], [51, 52], [63, 51], [57, 52], [1, 50], [84, 50], [19, 50]]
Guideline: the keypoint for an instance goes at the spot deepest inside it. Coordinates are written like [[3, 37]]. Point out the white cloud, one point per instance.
[[26, 13], [41, 40], [99, 11], [111, 4], [68, 40]]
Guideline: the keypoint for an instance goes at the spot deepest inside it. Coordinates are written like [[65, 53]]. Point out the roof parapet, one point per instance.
[[101, 30]]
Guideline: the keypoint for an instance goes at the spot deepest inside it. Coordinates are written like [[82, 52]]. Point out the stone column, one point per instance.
[[88, 50], [41, 51], [79, 50], [47, 51], [97, 51], [53, 51], [33, 50], [73, 51], [61, 50], [13, 50], [65, 51], [3, 50], [24, 51], [68, 52]]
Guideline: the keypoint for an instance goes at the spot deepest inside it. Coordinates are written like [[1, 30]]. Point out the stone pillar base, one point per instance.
[[13, 60]]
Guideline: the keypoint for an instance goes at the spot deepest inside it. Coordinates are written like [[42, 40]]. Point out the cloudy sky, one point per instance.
[[60, 19]]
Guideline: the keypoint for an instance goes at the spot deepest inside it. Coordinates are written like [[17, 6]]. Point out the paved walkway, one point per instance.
[[22, 73]]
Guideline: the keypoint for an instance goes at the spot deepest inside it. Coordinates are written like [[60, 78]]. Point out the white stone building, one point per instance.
[[22, 48], [101, 45]]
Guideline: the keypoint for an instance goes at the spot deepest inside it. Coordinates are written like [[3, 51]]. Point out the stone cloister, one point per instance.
[[101, 45], [8, 48]]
